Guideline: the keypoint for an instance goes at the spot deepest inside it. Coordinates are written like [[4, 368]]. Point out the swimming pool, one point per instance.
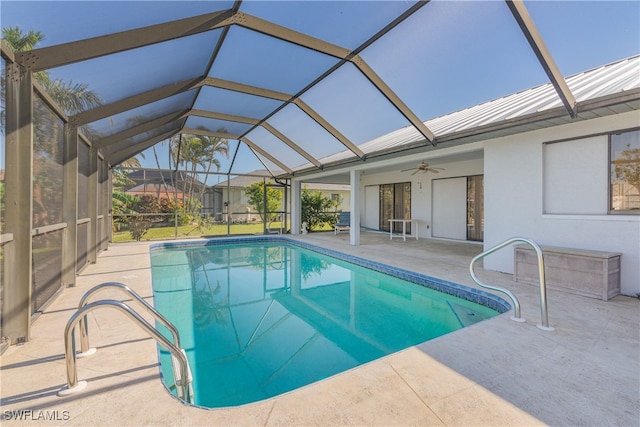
[[262, 316]]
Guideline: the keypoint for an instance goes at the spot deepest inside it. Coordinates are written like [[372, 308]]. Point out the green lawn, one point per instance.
[[186, 231], [159, 233]]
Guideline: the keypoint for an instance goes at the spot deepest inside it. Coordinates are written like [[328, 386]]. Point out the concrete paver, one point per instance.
[[496, 372]]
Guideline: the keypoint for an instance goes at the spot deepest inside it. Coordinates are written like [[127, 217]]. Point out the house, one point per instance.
[[172, 185], [158, 191], [233, 193], [230, 199], [513, 167], [554, 163]]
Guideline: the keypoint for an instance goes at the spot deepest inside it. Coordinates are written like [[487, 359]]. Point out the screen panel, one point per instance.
[[48, 146]]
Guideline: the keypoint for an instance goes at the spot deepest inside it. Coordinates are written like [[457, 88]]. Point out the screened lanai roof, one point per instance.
[[296, 86]]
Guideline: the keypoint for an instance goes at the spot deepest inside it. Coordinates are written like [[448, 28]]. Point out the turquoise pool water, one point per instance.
[[258, 318]]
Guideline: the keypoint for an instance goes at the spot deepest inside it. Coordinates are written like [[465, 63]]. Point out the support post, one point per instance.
[[70, 205], [109, 206], [296, 206], [93, 205], [354, 228], [19, 202], [105, 202]]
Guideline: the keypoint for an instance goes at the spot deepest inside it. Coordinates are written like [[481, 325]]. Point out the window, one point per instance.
[[625, 172], [574, 176], [475, 208]]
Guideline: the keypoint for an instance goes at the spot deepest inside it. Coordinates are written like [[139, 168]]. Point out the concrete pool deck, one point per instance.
[[496, 372]]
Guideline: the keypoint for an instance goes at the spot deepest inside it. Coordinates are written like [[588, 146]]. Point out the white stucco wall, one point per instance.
[[421, 189], [514, 181]]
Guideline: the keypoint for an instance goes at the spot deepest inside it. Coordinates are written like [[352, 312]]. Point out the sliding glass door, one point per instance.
[[395, 203], [475, 208]]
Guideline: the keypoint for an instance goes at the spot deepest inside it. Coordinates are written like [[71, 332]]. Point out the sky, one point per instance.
[[448, 56]]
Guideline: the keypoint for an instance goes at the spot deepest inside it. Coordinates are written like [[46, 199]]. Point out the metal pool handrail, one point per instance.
[[544, 325], [74, 386], [84, 328]]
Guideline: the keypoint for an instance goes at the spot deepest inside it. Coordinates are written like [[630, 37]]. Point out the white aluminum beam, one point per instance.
[[329, 128], [393, 98], [223, 116], [322, 46], [531, 33], [291, 144], [246, 140], [120, 156], [134, 101], [82, 50], [288, 35], [280, 96], [250, 90], [141, 128], [204, 132], [40, 59], [265, 154]]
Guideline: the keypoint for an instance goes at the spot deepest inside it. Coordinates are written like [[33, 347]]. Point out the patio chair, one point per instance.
[[274, 230], [344, 222]]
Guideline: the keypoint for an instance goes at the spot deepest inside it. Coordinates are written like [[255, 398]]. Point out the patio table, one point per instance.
[[404, 222]]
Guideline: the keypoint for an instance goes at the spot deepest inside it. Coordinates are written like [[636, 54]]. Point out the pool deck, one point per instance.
[[496, 372]]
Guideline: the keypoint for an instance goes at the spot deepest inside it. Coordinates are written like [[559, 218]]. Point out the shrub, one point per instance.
[[138, 227], [318, 210]]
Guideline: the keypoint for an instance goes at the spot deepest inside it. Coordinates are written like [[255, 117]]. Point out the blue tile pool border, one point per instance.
[[464, 292]]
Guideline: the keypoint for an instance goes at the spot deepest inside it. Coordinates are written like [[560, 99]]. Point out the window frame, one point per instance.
[[610, 159]]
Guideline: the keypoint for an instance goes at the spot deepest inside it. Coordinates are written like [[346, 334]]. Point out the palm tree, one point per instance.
[[20, 42], [72, 97], [197, 151], [131, 163]]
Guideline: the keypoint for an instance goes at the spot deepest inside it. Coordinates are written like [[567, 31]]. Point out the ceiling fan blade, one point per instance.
[[406, 170]]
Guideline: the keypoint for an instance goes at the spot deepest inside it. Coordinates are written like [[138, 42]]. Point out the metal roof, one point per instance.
[[298, 86], [615, 84]]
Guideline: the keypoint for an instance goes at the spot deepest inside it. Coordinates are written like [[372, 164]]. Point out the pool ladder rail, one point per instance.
[[180, 364], [544, 325]]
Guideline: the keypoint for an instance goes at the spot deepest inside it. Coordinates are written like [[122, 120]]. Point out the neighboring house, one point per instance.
[[339, 192], [160, 184], [515, 166], [158, 191], [231, 200], [233, 192]]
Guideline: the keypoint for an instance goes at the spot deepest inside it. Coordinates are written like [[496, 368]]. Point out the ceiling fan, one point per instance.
[[423, 168]]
